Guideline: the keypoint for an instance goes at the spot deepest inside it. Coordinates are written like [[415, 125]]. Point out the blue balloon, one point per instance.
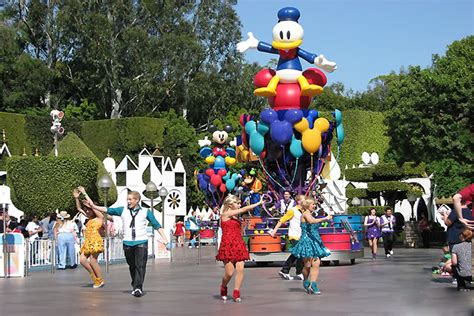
[[338, 116], [340, 134], [296, 147], [312, 116], [293, 116], [219, 163], [281, 132], [256, 140], [263, 128], [268, 116]]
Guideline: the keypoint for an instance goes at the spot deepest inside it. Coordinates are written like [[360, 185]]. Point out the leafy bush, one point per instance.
[[364, 131], [352, 193], [385, 186], [73, 146], [41, 185], [388, 171], [359, 174], [14, 126], [364, 210], [122, 136]]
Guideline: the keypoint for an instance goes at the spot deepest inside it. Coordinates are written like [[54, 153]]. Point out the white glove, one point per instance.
[[251, 42], [325, 64]]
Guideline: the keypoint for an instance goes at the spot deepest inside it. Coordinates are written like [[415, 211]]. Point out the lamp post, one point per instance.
[[4, 237], [412, 199], [105, 183], [152, 191], [163, 193]]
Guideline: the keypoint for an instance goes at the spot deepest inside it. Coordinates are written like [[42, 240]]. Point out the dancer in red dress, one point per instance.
[[232, 250], [179, 232]]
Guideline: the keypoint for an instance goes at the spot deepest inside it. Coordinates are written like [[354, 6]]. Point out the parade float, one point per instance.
[[286, 147]]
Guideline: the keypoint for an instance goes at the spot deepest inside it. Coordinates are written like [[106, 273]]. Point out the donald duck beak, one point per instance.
[[286, 45]]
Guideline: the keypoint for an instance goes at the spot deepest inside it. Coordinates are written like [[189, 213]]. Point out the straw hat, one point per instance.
[[63, 215]]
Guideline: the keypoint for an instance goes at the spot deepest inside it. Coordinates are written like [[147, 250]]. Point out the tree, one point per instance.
[[430, 108], [134, 57]]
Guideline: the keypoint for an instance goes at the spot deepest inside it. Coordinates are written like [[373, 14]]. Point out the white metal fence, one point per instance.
[[43, 252]]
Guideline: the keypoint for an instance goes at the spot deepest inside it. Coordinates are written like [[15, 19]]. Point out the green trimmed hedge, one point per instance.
[[359, 174], [388, 171], [122, 136], [385, 171], [385, 186], [41, 185], [73, 146], [364, 210], [14, 126], [364, 131], [359, 193]]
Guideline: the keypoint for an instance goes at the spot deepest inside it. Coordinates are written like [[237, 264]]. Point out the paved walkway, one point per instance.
[[398, 286]]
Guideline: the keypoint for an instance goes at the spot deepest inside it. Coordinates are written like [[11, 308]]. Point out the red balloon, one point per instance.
[[210, 172], [289, 94], [315, 76], [216, 180], [263, 77], [222, 187], [289, 97]]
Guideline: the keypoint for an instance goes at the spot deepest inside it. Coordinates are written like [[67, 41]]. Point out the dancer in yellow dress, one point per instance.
[[93, 244]]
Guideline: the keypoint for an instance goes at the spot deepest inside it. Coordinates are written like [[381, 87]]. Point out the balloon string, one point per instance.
[[284, 162], [281, 172], [265, 170], [294, 173], [312, 171]]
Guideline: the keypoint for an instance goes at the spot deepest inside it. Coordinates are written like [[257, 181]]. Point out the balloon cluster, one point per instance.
[[291, 141], [217, 179]]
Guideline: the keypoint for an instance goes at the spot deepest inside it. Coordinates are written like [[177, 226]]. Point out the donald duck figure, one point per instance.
[[287, 37]]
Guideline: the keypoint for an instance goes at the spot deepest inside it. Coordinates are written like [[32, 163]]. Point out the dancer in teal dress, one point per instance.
[[310, 247]]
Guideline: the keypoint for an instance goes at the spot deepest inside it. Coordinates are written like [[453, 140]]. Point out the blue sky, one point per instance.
[[366, 38]]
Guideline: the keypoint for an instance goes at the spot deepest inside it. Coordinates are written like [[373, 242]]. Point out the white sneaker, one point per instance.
[[299, 277], [285, 276], [391, 252], [388, 255]]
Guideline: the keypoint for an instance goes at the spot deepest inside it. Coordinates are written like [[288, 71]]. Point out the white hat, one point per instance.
[[63, 215]]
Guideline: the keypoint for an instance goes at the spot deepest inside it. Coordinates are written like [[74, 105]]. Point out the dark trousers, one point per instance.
[[293, 261], [460, 279], [388, 239], [425, 236], [136, 258]]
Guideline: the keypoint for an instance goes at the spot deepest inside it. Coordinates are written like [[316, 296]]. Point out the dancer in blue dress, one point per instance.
[[310, 247]]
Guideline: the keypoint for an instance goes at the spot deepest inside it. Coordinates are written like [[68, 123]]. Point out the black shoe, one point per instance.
[[137, 293], [74, 266]]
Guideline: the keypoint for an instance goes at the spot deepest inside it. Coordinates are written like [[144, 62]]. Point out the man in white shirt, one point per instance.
[[286, 204], [387, 223], [33, 228]]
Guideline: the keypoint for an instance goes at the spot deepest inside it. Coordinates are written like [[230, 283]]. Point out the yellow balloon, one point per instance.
[[311, 140], [322, 124], [255, 232], [261, 232], [210, 160], [230, 161]]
